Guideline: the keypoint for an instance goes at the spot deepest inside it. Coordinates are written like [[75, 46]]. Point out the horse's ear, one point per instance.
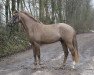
[[16, 11]]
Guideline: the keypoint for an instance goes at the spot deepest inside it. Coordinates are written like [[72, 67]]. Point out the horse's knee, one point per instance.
[[38, 55], [65, 49], [71, 48], [66, 53]]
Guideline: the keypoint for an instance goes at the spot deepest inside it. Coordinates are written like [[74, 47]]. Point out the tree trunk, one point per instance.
[[6, 10], [18, 2], [53, 10], [60, 10], [41, 10], [13, 5], [47, 19], [21, 5]]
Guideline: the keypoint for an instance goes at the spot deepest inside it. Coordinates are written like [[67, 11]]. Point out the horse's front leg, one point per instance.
[[37, 47], [36, 52]]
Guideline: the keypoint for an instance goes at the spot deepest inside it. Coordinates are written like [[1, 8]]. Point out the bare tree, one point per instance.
[[41, 10], [6, 10], [1, 7], [13, 5]]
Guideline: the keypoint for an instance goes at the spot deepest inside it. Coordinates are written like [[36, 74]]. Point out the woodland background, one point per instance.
[[77, 13]]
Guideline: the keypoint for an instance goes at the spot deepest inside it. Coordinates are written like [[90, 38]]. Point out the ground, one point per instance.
[[52, 58]]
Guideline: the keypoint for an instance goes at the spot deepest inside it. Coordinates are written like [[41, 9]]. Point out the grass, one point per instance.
[[17, 42]]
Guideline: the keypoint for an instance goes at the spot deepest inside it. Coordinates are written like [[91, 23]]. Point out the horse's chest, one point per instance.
[[37, 37]]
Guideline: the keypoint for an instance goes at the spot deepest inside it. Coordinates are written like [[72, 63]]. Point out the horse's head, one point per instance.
[[15, 17], [13, 22]]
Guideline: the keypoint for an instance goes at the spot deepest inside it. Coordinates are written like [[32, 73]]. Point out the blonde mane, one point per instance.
[[31, 16]]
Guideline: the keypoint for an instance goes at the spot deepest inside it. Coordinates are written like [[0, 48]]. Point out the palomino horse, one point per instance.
[[39, 33]]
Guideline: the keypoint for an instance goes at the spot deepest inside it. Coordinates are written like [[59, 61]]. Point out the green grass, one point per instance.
[[17, 42]]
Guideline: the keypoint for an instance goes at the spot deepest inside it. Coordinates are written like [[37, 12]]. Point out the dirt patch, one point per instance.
[[52, 57]]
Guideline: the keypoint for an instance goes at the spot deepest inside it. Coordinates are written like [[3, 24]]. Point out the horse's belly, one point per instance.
[[50, 39]]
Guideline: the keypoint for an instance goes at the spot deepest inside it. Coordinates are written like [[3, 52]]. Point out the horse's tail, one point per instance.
[[76, 48]]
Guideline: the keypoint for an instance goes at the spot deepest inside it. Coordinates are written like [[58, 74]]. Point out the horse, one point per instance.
[[39, 33]]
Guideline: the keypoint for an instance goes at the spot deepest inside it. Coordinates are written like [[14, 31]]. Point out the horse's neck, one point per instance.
[[29, 23]]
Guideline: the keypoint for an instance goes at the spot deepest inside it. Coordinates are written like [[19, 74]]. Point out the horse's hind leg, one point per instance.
[[73, 52], [65, 49]]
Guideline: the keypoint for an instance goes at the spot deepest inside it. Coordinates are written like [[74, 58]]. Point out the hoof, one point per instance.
[[73, 65], [40, 63], [62, 66], [35, 63]]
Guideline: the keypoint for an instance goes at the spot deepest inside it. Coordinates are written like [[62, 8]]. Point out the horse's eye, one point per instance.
[[13, 17]]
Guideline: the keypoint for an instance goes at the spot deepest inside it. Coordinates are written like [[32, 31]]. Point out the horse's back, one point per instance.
[[60, 28], [66, 27]]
